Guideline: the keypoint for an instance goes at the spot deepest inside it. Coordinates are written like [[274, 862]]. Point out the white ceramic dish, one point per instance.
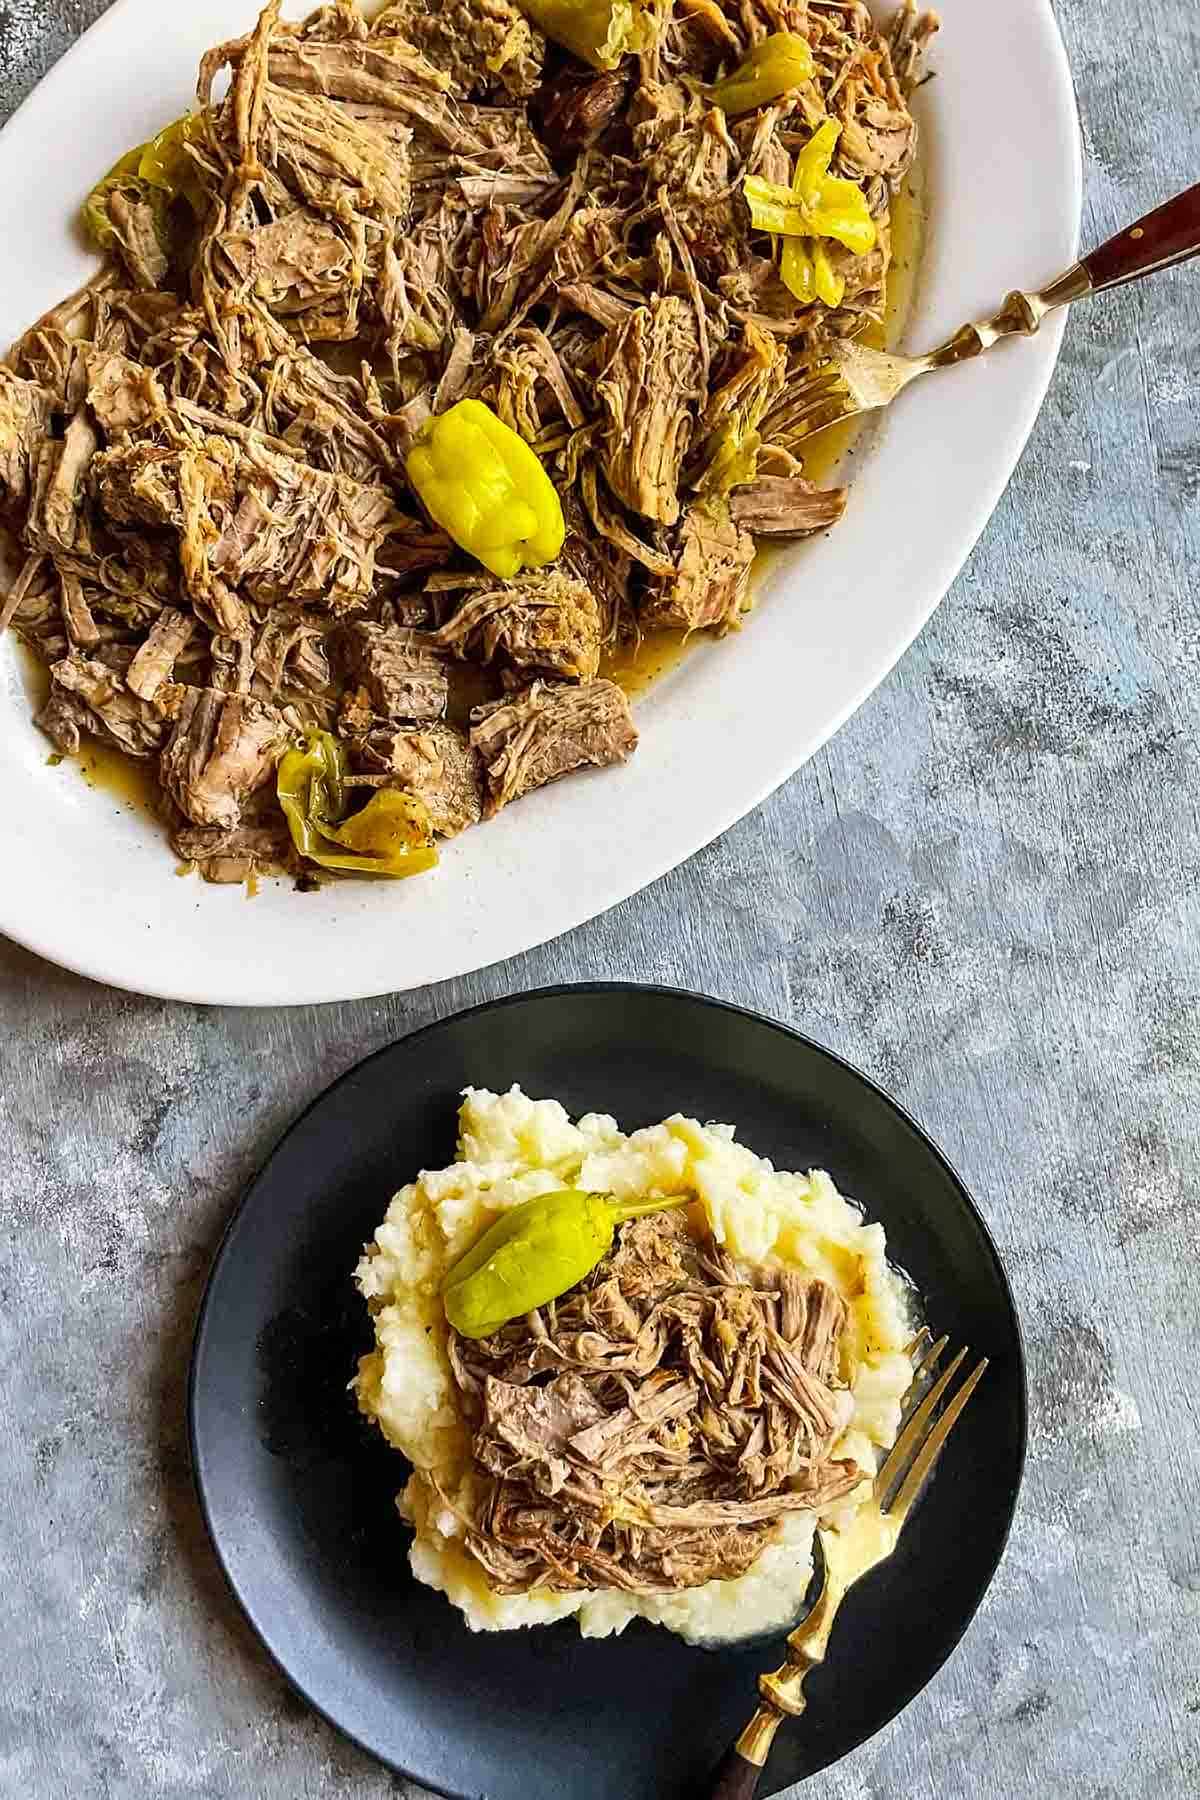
[[92, 887]]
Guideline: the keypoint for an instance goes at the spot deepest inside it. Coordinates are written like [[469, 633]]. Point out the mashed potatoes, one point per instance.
[[512, 1148]]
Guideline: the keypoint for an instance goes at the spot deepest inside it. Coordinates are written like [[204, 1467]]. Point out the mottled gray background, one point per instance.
[[984, 891]]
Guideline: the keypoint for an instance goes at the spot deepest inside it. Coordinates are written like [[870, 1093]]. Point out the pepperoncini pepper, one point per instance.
[[817, 205], [775, 65], [599, 31], [159, 171], [483, 484], [534, 1253], [392, 835], [165, 164]]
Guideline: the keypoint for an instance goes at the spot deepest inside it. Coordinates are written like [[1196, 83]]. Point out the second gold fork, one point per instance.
[[846, 378]]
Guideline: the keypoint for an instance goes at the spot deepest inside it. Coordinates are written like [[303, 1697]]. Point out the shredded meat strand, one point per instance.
[[648, 1430], [203, 450]]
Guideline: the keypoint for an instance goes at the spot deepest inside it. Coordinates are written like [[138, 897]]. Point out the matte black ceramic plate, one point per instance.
[[298, 1491]]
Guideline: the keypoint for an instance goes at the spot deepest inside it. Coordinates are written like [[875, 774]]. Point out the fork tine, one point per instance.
[[929, 1360], [923, 1369], [820, 385], [817, 397], [821, 420], [823, 381], [931, 1449], [914, 1429]]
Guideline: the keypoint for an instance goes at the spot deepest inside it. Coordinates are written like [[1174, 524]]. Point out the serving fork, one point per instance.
[[848, 1555], [845, 378]]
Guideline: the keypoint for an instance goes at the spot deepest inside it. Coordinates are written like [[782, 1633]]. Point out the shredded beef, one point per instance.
[[648, 1430], [203, 451], [708, 584], [400, 672], [649, 386], [544, 732], [436, 762], [223, 748], [786, 506], [94, 697], [544, 623], [24, 411]]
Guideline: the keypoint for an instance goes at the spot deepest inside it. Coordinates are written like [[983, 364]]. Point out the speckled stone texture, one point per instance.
[[984, 891]]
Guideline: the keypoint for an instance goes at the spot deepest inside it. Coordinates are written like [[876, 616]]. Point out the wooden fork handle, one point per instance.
[[1167, 236], [734, 1778]]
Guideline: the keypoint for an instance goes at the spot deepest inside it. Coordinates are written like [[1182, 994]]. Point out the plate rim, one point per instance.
[[159, 965], [556, 991]]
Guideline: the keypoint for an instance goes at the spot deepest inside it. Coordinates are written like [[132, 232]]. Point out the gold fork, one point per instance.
[[848, 1555], [847, 378]]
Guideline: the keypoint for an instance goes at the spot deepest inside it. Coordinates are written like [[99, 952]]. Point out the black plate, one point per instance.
[[298, 1491]]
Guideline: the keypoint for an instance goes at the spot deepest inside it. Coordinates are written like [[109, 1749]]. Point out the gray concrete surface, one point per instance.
[[984, 891]]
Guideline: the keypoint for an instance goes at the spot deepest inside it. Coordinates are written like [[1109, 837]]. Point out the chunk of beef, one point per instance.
[[56, 518], [278, 636], [65, 721], [302, 268], [56, 363], [578, 105], [154, 663], [603, 567], [222, 749], [911, 34], [712, 573], [812, 1318], [416, 290], [98, 702], [544, 732], [786, 506], [693, 168], [383, 73], [402, 672], [123, 395], [135, 231], [527, 1430], [191, 490], [543, 623], [30, 602], [281, 117], [513, 252], [648, 391], [249, 517], [436, 763], [878, 138], [77, 615], [481, 45], [24, 418], [228, 856], [302, 536]]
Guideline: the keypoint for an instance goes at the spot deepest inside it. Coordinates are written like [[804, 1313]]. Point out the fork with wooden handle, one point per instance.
[[868, 1541], [847, 378]]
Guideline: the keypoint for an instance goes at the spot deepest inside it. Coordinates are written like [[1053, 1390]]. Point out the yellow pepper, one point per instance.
[[599, 31], [483, 484], [165, 164], [776, 65], [159, 172], [392, 835], [734, 460], [817, 205], [534, 1253], [730, 451]]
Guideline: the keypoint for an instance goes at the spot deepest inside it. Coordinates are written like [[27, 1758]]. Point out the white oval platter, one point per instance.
[[93, 887]]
